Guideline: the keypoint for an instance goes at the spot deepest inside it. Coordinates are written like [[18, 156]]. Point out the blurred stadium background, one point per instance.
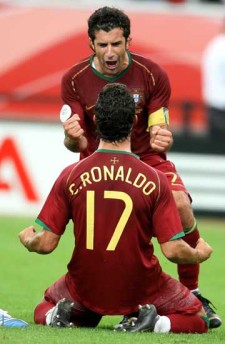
[[41, 39]]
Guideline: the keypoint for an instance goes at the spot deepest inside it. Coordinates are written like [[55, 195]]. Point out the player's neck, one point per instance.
[[121, 146]]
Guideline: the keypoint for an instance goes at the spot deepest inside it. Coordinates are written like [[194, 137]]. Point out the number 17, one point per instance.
[[90, 216]]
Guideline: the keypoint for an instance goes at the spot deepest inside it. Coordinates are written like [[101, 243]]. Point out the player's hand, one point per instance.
[[161, 139], [72, 127], [204, 249], [27, 234]]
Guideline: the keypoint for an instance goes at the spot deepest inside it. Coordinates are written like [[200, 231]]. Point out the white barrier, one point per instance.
[[32, 155], [204, 177]]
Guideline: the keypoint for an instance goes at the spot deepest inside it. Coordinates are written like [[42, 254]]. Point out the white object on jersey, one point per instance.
[[65, 113]]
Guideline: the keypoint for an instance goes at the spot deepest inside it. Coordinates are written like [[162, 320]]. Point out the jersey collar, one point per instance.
[[102, 150]]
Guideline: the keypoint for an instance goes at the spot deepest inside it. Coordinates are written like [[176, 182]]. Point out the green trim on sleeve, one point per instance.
[[192, 229], [177, 236], [42, 224]]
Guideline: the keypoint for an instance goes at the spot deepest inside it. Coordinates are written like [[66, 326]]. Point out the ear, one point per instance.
[[94, 119], [91, 44], [128, 42]]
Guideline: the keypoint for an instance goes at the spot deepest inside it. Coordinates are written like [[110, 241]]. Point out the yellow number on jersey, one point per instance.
[[90, 205]]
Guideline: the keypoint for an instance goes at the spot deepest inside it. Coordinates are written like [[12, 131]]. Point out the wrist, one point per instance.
[[72, 143]]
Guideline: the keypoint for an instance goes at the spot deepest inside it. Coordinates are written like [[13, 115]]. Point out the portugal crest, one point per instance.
[[138, 97]]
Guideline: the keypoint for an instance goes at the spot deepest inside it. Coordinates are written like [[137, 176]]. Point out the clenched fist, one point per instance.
[[161, 139]]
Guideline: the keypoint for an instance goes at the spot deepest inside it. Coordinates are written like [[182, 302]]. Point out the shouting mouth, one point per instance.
[[111, 65]]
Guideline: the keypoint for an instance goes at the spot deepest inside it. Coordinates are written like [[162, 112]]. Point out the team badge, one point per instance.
[[138, 97]]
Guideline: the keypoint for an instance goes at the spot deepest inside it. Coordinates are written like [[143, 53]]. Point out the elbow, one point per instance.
[[171, 256], [170, 251]]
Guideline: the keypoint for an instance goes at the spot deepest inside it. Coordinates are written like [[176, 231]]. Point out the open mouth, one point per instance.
[[111, 64]]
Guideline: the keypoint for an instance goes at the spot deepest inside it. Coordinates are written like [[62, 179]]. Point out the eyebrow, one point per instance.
[[112, 43]]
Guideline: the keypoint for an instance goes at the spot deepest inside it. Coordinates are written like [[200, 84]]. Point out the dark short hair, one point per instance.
[[114, 112], [108, 18]]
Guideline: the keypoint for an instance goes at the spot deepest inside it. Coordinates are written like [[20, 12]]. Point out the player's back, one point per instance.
[[117, 186], [118, 203]]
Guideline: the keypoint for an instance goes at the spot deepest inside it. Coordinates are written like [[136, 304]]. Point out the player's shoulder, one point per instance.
[[68, 171], [145, 62], [78, 68], [75, 169]]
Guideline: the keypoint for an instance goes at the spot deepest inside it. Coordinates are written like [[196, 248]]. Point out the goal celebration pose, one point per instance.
[[117, 204], [109, 37]]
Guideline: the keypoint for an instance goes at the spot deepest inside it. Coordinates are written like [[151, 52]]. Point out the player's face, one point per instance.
[[111, 51]]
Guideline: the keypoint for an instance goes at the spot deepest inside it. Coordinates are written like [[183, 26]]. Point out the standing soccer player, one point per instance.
[[109, 36], [117, 204]]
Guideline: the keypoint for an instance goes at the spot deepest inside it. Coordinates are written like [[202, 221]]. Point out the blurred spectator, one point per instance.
[[213, 83]]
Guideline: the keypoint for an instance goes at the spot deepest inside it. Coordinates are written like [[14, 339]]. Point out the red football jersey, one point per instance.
[[145, 80], [117, 204]]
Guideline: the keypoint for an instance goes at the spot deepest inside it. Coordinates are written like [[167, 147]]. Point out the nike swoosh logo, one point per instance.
[[89, 107]]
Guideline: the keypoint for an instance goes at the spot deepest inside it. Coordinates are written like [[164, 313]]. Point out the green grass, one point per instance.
[[24, 276]]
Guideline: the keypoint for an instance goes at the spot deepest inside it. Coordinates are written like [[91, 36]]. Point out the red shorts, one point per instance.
[[169, 169], [171, 297], [174, 298], [81, 316]]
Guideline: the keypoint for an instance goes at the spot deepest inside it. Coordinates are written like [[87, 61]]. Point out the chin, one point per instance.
[[113, 72]]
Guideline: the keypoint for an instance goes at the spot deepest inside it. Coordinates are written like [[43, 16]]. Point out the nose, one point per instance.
[[109, 50]]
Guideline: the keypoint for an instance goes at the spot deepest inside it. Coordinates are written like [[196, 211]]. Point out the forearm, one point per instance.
[[75, 145], [187, 256], [35, 244], [178, 251]]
